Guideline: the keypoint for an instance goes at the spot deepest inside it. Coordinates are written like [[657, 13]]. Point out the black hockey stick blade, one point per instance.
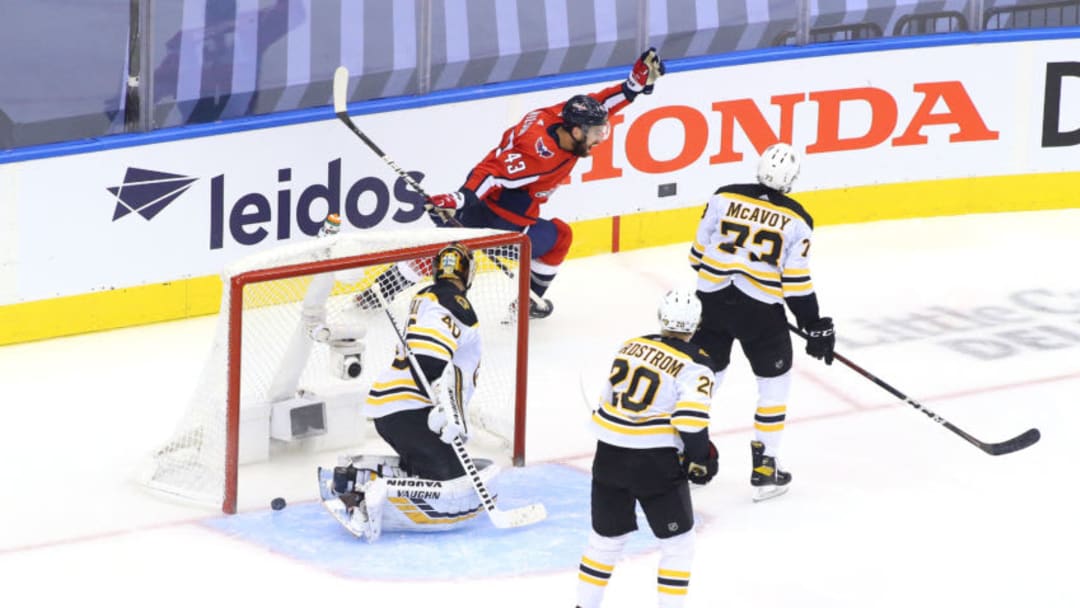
[[1021, 441]]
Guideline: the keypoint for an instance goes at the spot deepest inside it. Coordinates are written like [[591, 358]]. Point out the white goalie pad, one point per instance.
[[398, 503]]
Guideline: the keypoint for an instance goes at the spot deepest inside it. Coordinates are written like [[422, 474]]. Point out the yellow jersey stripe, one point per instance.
[[692, 405], [432, 333], [403, 396], [438, 349], [694, 423], [723, 279], [798, 288], [764, 275], [629, 430]]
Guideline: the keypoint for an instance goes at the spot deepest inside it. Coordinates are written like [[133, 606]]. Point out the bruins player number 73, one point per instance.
[[752, 255]]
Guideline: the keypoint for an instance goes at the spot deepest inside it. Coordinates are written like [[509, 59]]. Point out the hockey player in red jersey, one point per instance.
[[508, 187]]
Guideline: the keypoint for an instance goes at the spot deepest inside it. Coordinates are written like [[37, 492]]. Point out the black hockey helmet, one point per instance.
[[584, 111], [455, 261]]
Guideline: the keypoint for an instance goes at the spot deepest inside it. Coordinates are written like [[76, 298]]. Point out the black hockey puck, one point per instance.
[[277, 504]]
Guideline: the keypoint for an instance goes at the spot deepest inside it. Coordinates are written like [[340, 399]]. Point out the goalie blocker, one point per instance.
[[369, 494]]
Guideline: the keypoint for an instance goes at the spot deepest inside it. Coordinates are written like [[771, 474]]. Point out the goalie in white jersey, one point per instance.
[[752, 255], [652, 438], [424, 488]]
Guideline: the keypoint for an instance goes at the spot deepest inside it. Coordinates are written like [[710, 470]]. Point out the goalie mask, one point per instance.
[[679, 311], [455, 261], [778, 167]]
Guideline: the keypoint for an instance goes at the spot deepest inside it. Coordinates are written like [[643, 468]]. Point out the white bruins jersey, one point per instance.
[[658, 387], [442, 324], [757, 239]]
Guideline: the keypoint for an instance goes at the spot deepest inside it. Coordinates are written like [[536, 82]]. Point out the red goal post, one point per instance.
[[277, 370]]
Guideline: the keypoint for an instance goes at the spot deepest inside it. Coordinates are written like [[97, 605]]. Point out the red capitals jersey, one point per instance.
[[521, 174]]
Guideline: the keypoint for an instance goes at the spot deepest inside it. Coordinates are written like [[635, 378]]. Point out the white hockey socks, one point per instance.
[[771, 411], [597, 564], [673, 575]]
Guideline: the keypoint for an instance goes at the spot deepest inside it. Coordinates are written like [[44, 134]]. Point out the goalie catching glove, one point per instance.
[[646, 70], [702, 473]]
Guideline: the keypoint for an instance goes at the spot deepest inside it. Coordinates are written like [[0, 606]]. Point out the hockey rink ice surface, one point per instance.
[[976, 317]]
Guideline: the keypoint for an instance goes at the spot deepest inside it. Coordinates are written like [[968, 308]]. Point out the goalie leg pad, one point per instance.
[[422, 505], [373, 503]]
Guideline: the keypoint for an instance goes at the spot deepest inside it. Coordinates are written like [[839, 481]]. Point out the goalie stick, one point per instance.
[[341, 94], [1021, 441], [500, 518]]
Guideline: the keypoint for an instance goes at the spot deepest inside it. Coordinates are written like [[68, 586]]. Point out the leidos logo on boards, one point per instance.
[[148, 192], [248, 217]]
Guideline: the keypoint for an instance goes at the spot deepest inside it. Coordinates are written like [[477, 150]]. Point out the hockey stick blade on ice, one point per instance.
[[341, 109], [1021, 441], [500, 518]]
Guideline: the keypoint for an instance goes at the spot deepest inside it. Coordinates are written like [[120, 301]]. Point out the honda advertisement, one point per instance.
[[170, 211]]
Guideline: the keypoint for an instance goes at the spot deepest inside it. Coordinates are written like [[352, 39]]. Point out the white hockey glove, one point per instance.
[[446, 419], [646, 70], [447, 424]]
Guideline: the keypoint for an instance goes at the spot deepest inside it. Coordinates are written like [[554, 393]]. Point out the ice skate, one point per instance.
[[766, 478], [347, 501], [540, 308]]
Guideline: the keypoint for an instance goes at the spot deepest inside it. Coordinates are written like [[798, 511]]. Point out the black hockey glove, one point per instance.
[[702, 473], [821, 339]]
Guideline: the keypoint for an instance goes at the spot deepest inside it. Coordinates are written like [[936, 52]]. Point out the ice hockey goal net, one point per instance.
[[293, 325]]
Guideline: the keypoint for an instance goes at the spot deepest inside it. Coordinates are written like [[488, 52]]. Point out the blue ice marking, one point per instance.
[[307, 533]]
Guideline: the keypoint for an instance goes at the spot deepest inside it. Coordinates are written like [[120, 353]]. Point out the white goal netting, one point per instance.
[[306, 324]]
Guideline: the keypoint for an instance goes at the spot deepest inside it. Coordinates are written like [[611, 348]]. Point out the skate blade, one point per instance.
[[766, 492]]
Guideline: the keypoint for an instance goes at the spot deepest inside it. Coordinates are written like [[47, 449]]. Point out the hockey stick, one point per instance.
[[1021, 441], [341, 94], [500, 518]]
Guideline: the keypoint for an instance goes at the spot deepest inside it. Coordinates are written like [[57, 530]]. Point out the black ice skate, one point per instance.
[[389, 284], [767, 479], [540, 308], [344, 479]]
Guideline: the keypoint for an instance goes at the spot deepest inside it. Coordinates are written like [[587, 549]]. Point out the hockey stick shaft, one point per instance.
[[1021, 441], [512, 518], [341, 85]]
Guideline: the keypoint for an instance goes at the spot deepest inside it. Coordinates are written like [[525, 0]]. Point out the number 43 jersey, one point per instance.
[[757, 239], [657, 388]]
